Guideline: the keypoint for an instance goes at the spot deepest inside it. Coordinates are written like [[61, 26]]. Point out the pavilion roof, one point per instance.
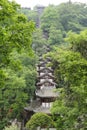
[[44, 59], [46, 74], [47, 92], [38, 109], [42, 63], [46, 81], [45, 68], [42, 109]]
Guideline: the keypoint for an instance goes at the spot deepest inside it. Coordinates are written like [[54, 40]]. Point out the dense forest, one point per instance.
[[24, 34]]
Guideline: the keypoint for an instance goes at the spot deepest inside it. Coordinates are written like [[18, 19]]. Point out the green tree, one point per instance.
[[55, 36], [49, 18], [15, 33], [39, 119], [71, 15], [19, 85], [78, 42], [39, 42], [66, 16], [71, 105], [32, 15]]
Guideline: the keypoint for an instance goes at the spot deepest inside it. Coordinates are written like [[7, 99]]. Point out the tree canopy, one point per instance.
[[39, 119], [15, 39], [71, 72]]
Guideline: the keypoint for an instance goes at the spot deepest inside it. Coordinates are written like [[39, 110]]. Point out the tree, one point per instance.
[[19, 85], [66, 16], [32, 15], [11, 25], [71, 106], [71, 15], [39, 42], [49, 18], [15, 34], [39, 119], [78, 42], [55, 36]]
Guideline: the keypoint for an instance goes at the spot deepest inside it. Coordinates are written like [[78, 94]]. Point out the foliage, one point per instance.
[[56, 21], [49, 18], [39, 119], [15, 34], [72, 103], [32, 15], [66, 16], [78, 42], [71, 15], [39, 42], [19, 85], [55, 36]]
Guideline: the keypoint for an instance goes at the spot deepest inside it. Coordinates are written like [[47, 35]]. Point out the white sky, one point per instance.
[[32, 3]]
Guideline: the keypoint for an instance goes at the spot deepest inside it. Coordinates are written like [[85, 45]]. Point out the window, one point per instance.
[[46, 104]]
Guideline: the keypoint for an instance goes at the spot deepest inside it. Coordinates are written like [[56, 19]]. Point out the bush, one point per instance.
[[39, 119]]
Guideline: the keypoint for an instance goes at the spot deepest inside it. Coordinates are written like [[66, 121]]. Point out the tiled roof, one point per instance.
[[45, 74], [43, 109], [45, 68], [47, 92], [45, 81]]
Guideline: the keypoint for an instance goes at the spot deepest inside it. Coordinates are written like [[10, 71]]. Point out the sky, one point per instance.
[[32, 3]]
